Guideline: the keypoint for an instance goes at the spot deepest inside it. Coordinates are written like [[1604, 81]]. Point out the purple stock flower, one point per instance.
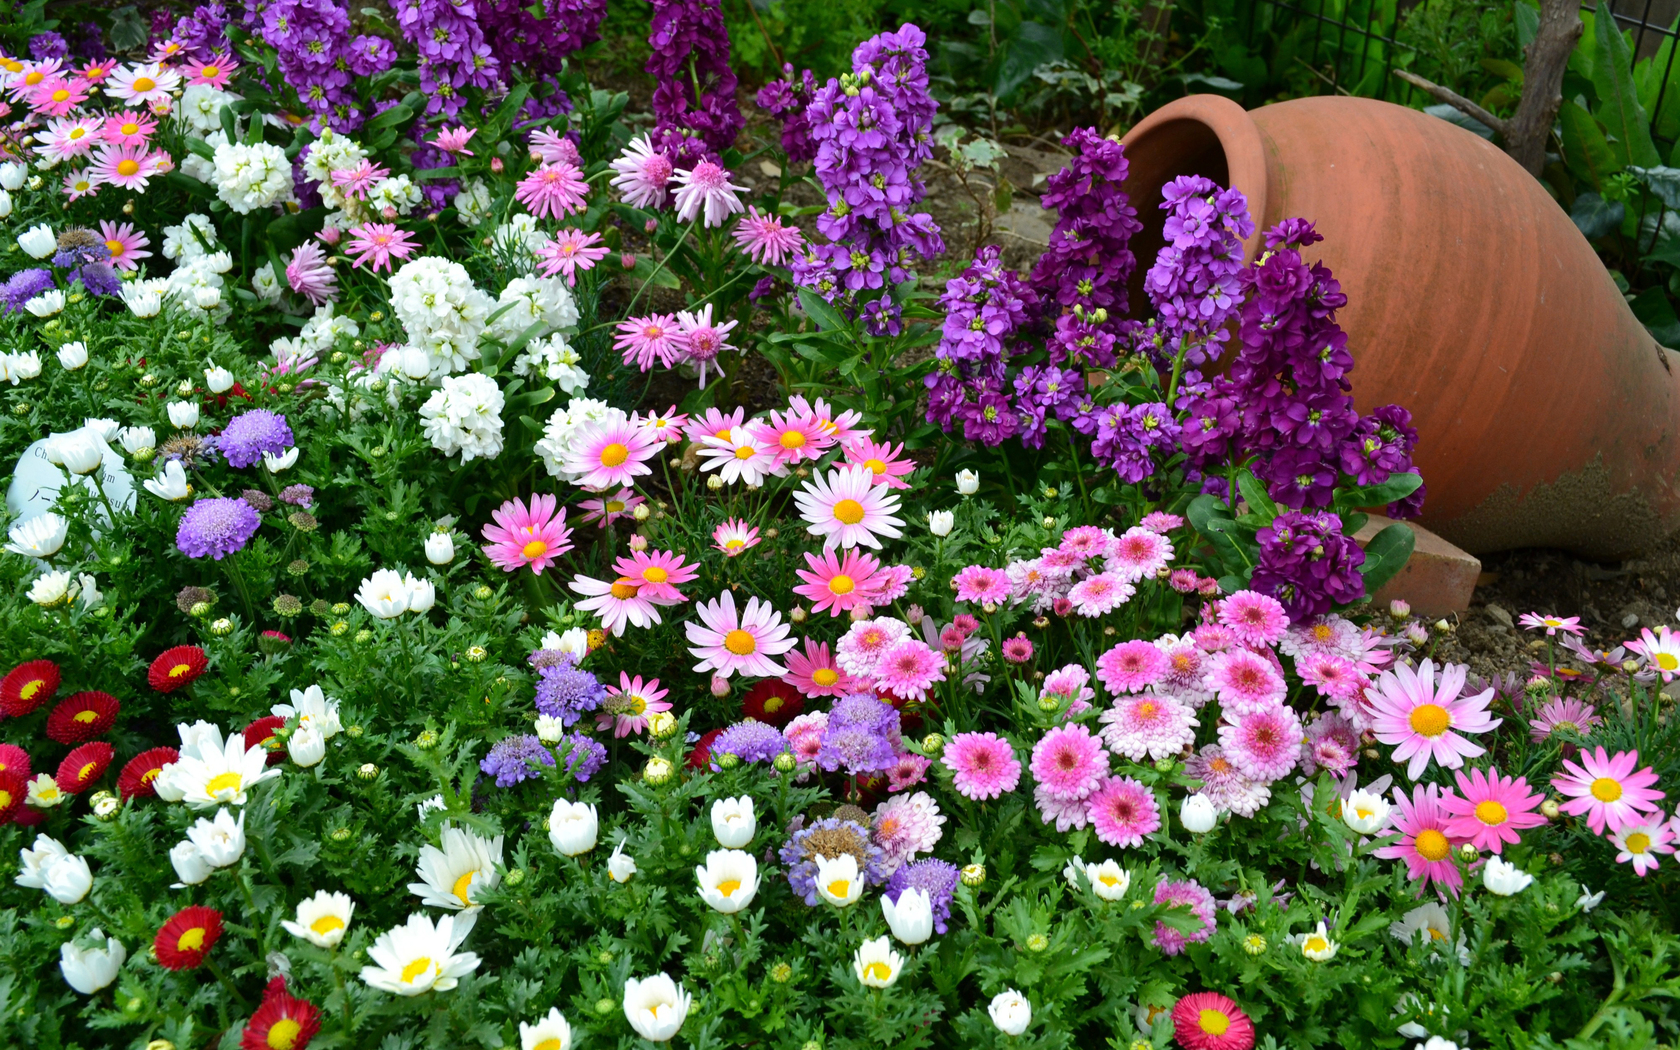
[[1195, 284], [694, 93], [788, 98], [453, 54], [565, 691], [750, 742], [1308, 564], [1088, 261], [203, 33], [936, 878], [510, 759], [48, 45], [216, 527], [540, 44], [250, 434], [310, 40], [985, 310]]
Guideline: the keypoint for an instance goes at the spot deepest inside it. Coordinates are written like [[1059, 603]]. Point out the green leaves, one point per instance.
[[1387, 554], [1618, 98]]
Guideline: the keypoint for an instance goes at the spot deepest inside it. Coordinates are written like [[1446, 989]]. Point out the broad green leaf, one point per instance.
[[1387, 554], [1663, 181], [1618, 100], [827, 317], [1594, 216], [397, 114], [1527, 20], [1034, 44], [1259, 501], [1585, 149], [1398, 486]]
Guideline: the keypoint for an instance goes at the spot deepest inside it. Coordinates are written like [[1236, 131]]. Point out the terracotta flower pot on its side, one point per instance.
[[1547, 415]]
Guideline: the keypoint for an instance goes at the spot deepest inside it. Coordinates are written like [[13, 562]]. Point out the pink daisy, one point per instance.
[[909, 669], [310, 276], [608, 509], [1551, 624], [727, 642], [1069, 763], [377, 243], [1100, 594], [1086, 541], [1256, 619], [1606, 789], [96, 72], [553, 190], [24, 76], [705, 190], [846, 508], [454, 140], [865, 642], [881, 459], [814, 673], [127, 167], [1244, 681], [703, 340], [841, 426], [669, 424], [838, 583], [1424, 720], [643, 174], [1563, 715], [126, 244], [980, 584], [1130, 666], [128, 129], [78, 184], [216, 72], [1161, 521], [1263, 744], [713, 423], [1123, 812], [617, 603], [57, 97], [765, 240], [1331, 675], [1139, 552], [1490, 810], [628, 706], [1153, 725], [535, 536], [793, 439], [657, 574], [1226, 786], [570, 253], [143, 84], [734, 536], [1640, 844], [610, 453], [69, 138], [983, 765], [356, 181], [1425, 845], [642, 339]]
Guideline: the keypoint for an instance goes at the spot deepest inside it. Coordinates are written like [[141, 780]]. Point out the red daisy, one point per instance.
[[187, 937], [282, 1022], [701, 756], [28, 686], [13, 789], [83, 766], [176, 667], [773, 702], [14, 759], [1210, 1021], [82, 716], [137, 779], [261, 732]]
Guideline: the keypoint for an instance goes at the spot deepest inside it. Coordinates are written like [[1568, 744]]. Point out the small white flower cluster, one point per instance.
[[519, 238], [326, 154], [555, 447], [397, 194], [200, 106], [18, 367], [472, 204], [318, 336], [251, 177], [534, 299], [465, 416], [441, 310], [554, 359]]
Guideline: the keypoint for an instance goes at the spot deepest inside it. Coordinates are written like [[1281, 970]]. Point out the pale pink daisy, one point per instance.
[[765, 240], [1660, 650], [57, 97], [794, 439], [611, 453], [865, 642], [127, 167], [70, 138], [667, 424], [454, 140], [657, 574], [644, 174], [128, 129], [1606, 789], [1263, 744], [805, 736], [78, 184], [727, 642], [1424, 845], [553, 190], [838, 583], [1161, 521], [143, 84], [909, 669], [22, 77], [1068, 762], [1124, 812], [703, 340], [356, 181], [705, 190], [1130, 666], [1100, 594], [904, 826], [551, 147], [890, 584], [1640, 844], [167, 49], [841, 426], [216, 72], [980, 584], [1331, 675], [1491, 809], [1158, 726], [617, 603], [534, 536], [377, 243], [1244, 681], [1551, 624], [739, 456], [714, 424], [1565, 715], [310, 276], [1186, 669], [1137, 553], [881, 459], [846, 508], [984, 765], [608, 509], [1226, 786], [1426, 721], [1086, 541], [126, 244], [628, 705], [1255, 618], [570, 253], [642, 340], [734, 536], [814, 672]]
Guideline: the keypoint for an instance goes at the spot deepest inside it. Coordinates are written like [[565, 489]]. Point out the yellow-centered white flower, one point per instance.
[[1316, 944], [838, 880], [1010, 1011], [219, 771], [733, 821], [549, 1033], [1108, 880], [449, 876], [728, 880], [419, 957], [876, 964], [322, 919], [656, 1007], [1366, 812]]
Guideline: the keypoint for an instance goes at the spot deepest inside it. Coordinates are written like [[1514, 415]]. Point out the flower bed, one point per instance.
[[388, 668]]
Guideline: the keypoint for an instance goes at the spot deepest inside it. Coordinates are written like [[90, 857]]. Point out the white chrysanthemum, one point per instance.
[[556, 443], [329, 152], [195, 236], [217, 772], [441, 311], [465, 417], [472, 204], [553, 359], [534, 299], [322, 919], [448, 876], [250, 177], [398, 193], [418, 957], [201, 107]]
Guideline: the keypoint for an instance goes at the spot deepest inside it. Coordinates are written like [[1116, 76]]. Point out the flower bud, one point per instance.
[[973, 874], [1550, 809], [367, 771], [720, 686], [785, 762], [657, 771], [933, 744]]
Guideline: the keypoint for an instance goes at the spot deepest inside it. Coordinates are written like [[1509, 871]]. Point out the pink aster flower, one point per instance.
[[1071, 684], [890, 584], [881, 459], [97, 72], [629, 704], [1214, 637], [838, 583], [126, 244], [1641, 843], [657, 574], [1490, 809], [734, 536], [984, 765], [1551, 624], [910, 770], [78, 184], [71, 138], [534, 536], [1158, 726], [793, 438], [1226, 786], [127, 167], [570, 253], [814, 672], [57, 97], [1017, 650], [1160, 521], [980, 584], [765, 240], [1186, 669], [1194, 896], [1244, 681], [1264, 744], [128, 129], [310, 276], [608, 509], [1660, 650], [728, 642], [553, 190], [1606, 789], [1069, 763], [550, 147], [1256, 619], [703, 340], [618, 603], [454, 140], [610, 453], [377, 243], [1563, 714], [1124, 812], [846, 508], [705, 190], [1137, 553], [356, 181], [909, 669], [1331, 675], [655, 336], [1066, 814], [143, 84], [860, 649], [1425, 844], [1130, 666], [805, 736], [1332, 743], [1100, 594], [904, 826], [644, 174], [841, 426], [1086, 541], [1425, 720], [216, 72]]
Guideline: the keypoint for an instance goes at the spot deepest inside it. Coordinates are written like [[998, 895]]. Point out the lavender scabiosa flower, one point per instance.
[[862, 736], [694, 100], [1308, 564], [99, 279], [581, 756], [829, 838], [24, 286], [216, 527], [298, 496], [936, 878], [250, 434], [565, 691], [511, 759], [749, 741]]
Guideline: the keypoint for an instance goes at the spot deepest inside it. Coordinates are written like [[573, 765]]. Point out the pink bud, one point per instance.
[[496, 164], [330, 235], [720, 686], [389, 213], [1061, 606], [638, 543], [651, 225], [629, 260]]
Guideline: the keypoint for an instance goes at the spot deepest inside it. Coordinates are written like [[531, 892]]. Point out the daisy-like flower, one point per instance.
[[454, 140], [419, 957], [657, 574], [814, 672], [668, 424], [126, 167], [1551, 624], [740, 455], [1157, 726], [984, 765], [534, 536], [841, 426], [1426, 720], [1432, 921], [1191, 895], [1606, 789], [1660, 650], [1086, 541], [980, 584], [219, 772], [1264, 744], [1138, 553], [97, 72], [728, 642], [617, 603], [322, 919], [1210, 1021], [570, 253], [283, 1020], [608, 509], [1256, 619], [643, 174], [1640, 844], [629, 704], [143, 84], [610, 453], [176, 667], [139, 776], [376, 244], [553, 190], [1131, 666], [553, 1032], [734, 536], [728, 880], [83, 767], [1100, 594], [27, 686], [838, 583], [765, 240], [794, 438], [68, 138], [705, 190], [126, 244], [448, 876], [1244, 681], [82, 716], [1123, 812], [881, 458], [909, 669], [1425, 845], [128, 129], [1068, 763], [183, 942], [642, 340], [57, 97], [1490, 809], [1316, 944], [1331, 675], [1563, 714], [704, 340], [216, 71], [309, 275]]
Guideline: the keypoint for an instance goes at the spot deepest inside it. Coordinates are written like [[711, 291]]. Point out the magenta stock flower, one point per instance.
[[553, 190], [310, 276], [1426, 721], [983, 765], [765, 240], [729, 642], [534, 536], [1606, 789], [377, 244], [1490, 809], [1425, 844], [570, 253]]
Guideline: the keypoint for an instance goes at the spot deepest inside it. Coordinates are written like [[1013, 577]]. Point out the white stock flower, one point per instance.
[[532, 300], [441, 310], [201, 107], [465, 416], [250, 177], [195, 236], [554, 359]]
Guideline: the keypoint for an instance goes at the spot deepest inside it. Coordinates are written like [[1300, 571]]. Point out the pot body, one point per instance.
[[1547, 415]]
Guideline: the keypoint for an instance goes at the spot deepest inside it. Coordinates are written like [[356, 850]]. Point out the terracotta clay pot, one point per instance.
[[1547, 415]]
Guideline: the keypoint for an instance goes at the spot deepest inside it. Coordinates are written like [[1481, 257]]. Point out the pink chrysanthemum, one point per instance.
[[1332, 743], [904, 826], [704, 340], [1226, 786], [980, 584], [814, 672], [551, 147], [1425, 845], [1160, 521], [1131, 666], [310, 276], [705, 190], [1186, 669], [1214, 637], [1100, 594], [838, 583], [126, 167], [881, 459], [126, 244], [611, 453], [1244, 681], [1086, 541], [1264, 744], [1606, 789], [1068, 762], [642, 340], [1187, 894], [570, 253], [1425, 720], [804, 736], [1640, 844], [553, 190], [377, 243], [728, 642], [910, 770], [765, 240], [1071, 683], [1139, 552], [534, 536], [1490, 809], [1331, 675], [608, 509], [1066, 814], [643, 174], [846, 508], [1324, 635], [618, 603], [984, 765], [629, 704], [1257, 619], [128, 129], [734, 536], [860, 649], [890, 584], [1123, 812], [1563, 714], [657, 574], [909, 669], [793, 438], [1151, 725]]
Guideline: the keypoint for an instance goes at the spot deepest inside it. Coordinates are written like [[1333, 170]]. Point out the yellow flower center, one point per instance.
[[1638, 842], [115, 248], [84, 717], [30, 688], [60, 95], [143, 85], [534, 550], [1491, 812], [1606, 789], [180, 669], [82, 774], [1362, 813], [1430, 720], [624, 590], [210, 71], [149, 775], [880, 971], [793, 439], [848, 512], [327, 924], [1109, 879], [740, 642], [5, 798], [1213, 1022], [1146, 709], [1321, 632], [638, 703], [1315, 943], [728, 887], [734, 545], [1432, 845], [654, 574], [550, 1044], [221, 782], [462, 885], [875, 466], [825, 676], [840, 583], [33, 77], [413, 970], [130, 128], [840, 888], [614, 454], [283, 1034], [744, 452], [1668, 661], [1435, 935], [772, 705], [614, 506], [191, 941]]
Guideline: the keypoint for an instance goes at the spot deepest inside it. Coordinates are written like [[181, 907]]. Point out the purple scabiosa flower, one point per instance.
[[216, 527], [1308, 564], [511, 759], [750, 741], [936, 878], [24, 286], [829, 838], [99, 279], [581, 756], [1190, 894], [250, 434], [564, 690], [862, 736]]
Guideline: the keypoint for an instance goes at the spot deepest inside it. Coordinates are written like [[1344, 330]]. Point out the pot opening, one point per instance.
[[1160, 155]]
